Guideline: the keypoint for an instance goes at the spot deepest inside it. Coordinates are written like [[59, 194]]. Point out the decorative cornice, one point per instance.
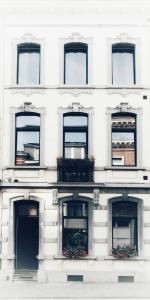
[[27, 107], [123, 91], [75, 91], [28, 38], [75, 107], [27, 91]]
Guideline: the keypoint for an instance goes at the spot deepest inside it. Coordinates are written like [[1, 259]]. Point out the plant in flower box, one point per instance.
[[125, 251], [76, 246]]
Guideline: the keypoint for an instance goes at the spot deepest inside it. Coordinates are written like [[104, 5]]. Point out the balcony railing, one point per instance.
[[75, 170]]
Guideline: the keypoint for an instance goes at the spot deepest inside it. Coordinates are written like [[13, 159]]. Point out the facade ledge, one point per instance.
[[138, 258], [120, 168], [81, 258], [26, 167], [34, 86], [134, 87]]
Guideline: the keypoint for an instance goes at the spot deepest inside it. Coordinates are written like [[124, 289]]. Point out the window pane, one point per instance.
[[29, 67], [75, 121], [75, 145], [123, 148], [27, 147], [27, 121], [123, 68], [75, 68], [123, 233]]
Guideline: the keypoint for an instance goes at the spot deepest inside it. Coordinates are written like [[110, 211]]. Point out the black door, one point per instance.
[[26, 236]]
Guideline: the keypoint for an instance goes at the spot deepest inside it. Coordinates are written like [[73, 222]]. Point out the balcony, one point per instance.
[[75, 170]]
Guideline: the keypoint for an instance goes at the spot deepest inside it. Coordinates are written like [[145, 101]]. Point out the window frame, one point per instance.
[[126, 198], [20, 49], [26, 130], [124, 38], [81, 199], [132, 130], [74, 47], [76, 38], [76, 129], [120, 48], [12, 144], [125, 108]]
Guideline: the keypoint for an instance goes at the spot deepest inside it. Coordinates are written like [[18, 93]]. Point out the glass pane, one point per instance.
[[75, 152], [27, 121], [123, 233], [27, 148], [29, 68], [120, 122], [75, 209], [123, 68], [75, 138], [75, 121], [123, 148], [75, 68]]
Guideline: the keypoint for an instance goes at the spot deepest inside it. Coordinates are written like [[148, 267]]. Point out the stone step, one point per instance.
[[25, 275]]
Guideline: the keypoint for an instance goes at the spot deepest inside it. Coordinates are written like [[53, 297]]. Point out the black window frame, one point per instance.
[[28, 48], [126, 129], [29, 129], [75, 129], [128, 217], [75, 217], [76, 47], [125, 48]]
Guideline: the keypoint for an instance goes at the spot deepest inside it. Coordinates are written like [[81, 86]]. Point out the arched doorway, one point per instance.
[[26, 234]]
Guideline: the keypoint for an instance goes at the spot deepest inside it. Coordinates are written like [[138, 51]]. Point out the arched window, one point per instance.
[[75, 135], [75, 226], [123, 139], [123, 64], [28, 64], [124, 224], [27, 139], [75, 63]]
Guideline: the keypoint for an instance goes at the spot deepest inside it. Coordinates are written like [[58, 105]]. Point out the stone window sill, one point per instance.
[[138, 258], [81, 258], [26, 167], [120, 168]]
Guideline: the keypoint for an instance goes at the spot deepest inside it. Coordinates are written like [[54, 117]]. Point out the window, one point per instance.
[[75, 134], [124, 224], [123, 64], [75, 63], [28, 65], [27, 139], [123, 139], [75, 225]]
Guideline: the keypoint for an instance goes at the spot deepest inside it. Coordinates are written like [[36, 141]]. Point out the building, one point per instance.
[[74, 120]]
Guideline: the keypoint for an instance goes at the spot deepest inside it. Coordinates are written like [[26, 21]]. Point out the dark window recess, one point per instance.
[[145, 97], [145, 177], [76, 63], [123, 139], [125, 279], [75, 278], [124, 224], [75, 227], [28, 64], [27, 139], [123, 64]]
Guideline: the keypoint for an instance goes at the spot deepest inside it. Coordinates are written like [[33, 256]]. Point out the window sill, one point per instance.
[[131, 87], [34, 86], [81, 258], [138, 258], [76, 86], [121, 168], [26, 168]]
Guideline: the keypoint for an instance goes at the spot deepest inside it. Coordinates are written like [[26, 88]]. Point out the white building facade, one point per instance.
[[74, 131]]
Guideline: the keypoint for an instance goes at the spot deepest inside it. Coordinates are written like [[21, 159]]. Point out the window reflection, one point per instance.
[[27, 139], [28, 64]]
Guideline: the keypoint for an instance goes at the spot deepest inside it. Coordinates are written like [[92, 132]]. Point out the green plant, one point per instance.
[[125, 251], [76, 246]]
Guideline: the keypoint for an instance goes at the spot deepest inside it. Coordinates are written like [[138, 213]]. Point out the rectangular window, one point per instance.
[[123, 140], [75, 63], [123, 64], [28, 66]]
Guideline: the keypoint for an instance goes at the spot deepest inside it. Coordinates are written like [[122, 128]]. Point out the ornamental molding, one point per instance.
[[123, 37], [27, 107], [76, 37], [124, 91], [27, 91], [76, 92], [28, 38], [75, 107], [124, 107]]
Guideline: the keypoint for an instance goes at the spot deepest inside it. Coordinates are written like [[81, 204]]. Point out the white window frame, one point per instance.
[[31, 109], [27, 39], [76, 38], [121, 39]]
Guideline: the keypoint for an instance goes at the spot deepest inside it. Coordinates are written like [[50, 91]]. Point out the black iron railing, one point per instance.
[[75, 170]]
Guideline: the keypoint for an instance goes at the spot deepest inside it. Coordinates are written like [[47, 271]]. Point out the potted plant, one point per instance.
[[125, 251], [76, 246]]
